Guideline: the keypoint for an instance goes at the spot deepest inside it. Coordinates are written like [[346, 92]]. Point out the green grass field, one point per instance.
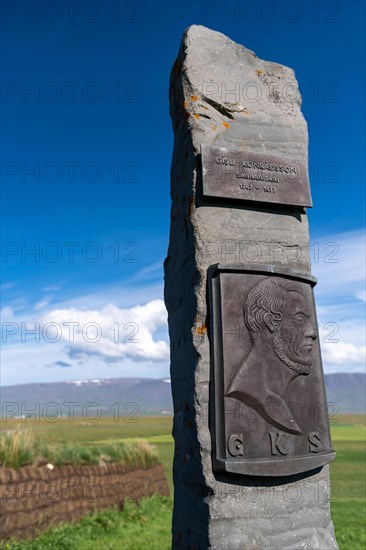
[[148, 524], [348, 475]]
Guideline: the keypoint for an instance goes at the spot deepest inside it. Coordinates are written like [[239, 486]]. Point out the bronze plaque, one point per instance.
[[268, 406], [254, 177]]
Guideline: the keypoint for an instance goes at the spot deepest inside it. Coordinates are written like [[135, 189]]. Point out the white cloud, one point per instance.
[[344, 354], [51, 288], [42, 304], [339, 263], [7, 314], [340, 309], [25, 360], [339, 294], [111, 332]]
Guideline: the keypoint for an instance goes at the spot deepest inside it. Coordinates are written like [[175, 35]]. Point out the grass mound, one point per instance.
[[21, 447]]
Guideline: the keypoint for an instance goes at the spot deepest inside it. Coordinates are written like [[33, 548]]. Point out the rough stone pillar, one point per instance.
[[222, 94]]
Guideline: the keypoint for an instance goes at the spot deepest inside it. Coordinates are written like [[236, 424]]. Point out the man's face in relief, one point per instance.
[[297, 330]]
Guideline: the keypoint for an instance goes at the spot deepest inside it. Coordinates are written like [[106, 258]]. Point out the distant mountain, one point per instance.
[[127, 395], [143, 396], [347, 391]]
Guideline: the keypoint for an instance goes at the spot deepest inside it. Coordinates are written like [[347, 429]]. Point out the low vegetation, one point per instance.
[[21, 447], [138, 526], [148, 524]]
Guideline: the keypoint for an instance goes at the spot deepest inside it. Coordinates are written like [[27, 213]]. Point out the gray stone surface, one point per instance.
[[209, 107]]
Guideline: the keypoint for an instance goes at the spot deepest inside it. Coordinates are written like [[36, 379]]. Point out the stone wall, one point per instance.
[[34, 498]]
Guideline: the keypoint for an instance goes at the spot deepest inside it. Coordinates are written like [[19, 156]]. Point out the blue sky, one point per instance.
[[86, 162]]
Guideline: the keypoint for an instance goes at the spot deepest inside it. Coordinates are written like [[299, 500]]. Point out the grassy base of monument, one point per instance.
[[148, 524]]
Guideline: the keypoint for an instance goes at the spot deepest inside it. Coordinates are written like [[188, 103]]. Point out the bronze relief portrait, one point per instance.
[[282, 334], [268, 404]]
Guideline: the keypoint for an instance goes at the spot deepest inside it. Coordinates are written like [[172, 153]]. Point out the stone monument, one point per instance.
[[252, 441]]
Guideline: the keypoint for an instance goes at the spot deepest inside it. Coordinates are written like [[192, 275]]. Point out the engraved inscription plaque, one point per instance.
[[268, 406], [254, 176]]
